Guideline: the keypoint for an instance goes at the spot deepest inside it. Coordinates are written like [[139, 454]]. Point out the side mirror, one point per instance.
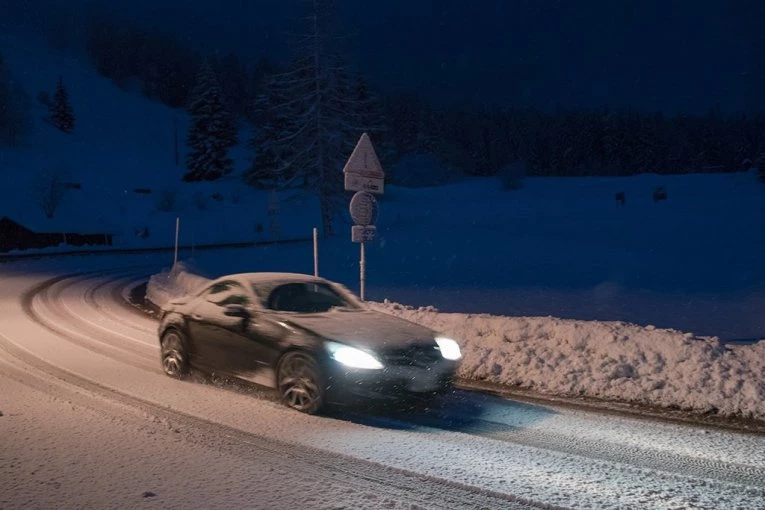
[[236, 311]]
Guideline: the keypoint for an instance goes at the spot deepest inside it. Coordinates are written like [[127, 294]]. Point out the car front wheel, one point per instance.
[[300, 382], [174, 359]]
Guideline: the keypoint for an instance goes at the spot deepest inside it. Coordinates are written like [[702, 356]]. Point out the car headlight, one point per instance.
[[449, 348], [352, 357]]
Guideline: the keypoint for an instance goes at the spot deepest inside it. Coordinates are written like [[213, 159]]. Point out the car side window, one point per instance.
[[304, 298], [228, 293]]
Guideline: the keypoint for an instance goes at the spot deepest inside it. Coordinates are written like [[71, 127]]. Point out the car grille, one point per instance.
[[415, 356]]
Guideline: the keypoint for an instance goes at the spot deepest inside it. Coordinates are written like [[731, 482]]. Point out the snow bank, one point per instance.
[[571, 358], [181, 280], [610, 360]]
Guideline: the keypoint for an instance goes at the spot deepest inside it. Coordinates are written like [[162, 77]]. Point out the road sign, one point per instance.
[[363, 171], [363, 234], [363, 208], [364, 174], [358, 182]]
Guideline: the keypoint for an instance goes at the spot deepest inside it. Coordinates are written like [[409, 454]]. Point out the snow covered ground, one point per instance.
[[571, 358]]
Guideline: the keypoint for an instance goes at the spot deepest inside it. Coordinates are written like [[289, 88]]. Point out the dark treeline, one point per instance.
[[166, 69], [480, 142], [576, 142]]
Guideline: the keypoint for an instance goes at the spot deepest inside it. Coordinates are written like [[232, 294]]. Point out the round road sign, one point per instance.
[[364, 208]]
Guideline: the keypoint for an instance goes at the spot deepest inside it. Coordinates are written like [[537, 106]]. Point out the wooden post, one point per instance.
[[315, 251]]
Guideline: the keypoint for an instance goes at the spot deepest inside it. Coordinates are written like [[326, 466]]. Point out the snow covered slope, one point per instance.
[[122, 142]]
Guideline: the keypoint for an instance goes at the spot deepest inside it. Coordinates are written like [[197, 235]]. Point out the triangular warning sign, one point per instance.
[[363, 160]]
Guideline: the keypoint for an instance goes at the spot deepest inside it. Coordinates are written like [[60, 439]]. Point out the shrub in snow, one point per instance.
[[141, 232]]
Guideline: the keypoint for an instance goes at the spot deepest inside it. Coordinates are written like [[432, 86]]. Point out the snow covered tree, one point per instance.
[[213, 130], [61, 115], [307, 120]]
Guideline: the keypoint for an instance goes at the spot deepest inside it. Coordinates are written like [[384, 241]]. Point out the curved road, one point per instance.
[[89, 419]]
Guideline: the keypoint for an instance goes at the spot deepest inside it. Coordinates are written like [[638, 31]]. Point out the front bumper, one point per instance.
[[347, 385]]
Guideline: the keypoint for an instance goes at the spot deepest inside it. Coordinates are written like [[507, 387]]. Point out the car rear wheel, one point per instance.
[[174, 359], [300, 383]]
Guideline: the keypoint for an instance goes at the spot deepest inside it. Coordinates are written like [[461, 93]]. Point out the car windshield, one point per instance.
[[308, 297]]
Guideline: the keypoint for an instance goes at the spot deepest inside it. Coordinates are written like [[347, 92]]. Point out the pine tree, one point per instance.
[[213, 130], [308, 118], [62, 116]]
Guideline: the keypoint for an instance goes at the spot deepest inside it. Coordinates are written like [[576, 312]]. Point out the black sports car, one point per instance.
[[309, 338]]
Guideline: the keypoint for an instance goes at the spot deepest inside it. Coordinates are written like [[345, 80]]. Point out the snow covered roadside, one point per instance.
[[569, 358], [610, 360], [179, 281]]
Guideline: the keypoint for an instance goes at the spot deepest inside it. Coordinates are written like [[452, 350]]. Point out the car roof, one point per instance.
[[271, 278]]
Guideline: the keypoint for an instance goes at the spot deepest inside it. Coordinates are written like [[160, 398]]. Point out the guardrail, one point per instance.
[[107, 251]]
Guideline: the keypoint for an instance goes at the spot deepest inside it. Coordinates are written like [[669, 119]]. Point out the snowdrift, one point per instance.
[[571, 358], [609, 360]]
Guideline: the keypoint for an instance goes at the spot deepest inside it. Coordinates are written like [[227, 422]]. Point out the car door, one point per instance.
[[218, 336]]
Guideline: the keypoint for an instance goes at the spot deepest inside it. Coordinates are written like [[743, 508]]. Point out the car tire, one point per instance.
[[175, 361], [300, 382]]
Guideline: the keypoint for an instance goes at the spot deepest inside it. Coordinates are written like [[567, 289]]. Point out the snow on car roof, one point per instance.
[[274, 277]]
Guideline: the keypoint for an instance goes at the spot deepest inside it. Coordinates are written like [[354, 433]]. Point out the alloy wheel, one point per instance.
[[174, 361], [300, 384]]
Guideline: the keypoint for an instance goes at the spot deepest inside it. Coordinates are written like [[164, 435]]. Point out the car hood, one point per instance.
[[363, 328]]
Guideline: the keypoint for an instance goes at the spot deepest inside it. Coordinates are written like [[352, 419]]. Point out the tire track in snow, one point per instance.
[[628, 455]]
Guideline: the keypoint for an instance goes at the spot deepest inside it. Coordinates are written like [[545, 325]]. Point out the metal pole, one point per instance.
[[177, 227], [362, 270], [315, 251]]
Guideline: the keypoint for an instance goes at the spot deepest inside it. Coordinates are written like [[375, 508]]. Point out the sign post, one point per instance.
[[177, 229], [364, 175], [315, 251]]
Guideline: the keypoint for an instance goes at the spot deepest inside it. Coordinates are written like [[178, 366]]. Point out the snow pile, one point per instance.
[[571, 358], [180, 281], [610, 360]]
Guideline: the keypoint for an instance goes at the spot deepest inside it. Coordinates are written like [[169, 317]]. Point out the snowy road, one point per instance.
[[88, 419]]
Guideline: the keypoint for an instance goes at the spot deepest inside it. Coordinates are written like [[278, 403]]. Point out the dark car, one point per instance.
[[309, 338]]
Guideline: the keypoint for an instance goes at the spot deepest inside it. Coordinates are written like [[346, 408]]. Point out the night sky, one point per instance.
[[684, 55]]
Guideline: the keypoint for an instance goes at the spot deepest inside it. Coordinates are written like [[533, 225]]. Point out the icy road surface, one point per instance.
[[89, 420]]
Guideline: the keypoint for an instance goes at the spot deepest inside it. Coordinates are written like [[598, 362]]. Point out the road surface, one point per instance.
[[89, 420]]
